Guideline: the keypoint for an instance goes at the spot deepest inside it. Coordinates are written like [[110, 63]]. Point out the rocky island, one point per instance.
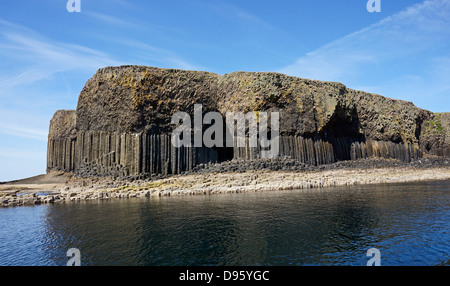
[[117, 143]]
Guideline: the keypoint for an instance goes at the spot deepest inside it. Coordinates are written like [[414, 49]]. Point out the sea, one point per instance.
[[403, 224]]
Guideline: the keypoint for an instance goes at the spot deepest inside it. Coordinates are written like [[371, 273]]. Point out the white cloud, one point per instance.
[[33, 57], [147, 54], [21, 131], [388, 54], [34, 79], [408, 32], [113, 20], [23, 154]]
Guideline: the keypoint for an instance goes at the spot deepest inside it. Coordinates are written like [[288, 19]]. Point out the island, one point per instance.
[[117, 143]]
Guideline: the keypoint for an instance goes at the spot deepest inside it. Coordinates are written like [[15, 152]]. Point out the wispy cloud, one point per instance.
[[34, 73], [161, 56], [33, 57], [409, 32], [29, 59], [146, 54], [24, 132], [234, 13], [22, 154], [387, 55], [26, 77], [111, 20], [30, 63], [24, 123]]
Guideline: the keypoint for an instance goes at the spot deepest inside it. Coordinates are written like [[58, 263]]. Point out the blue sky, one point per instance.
[[47, 53]]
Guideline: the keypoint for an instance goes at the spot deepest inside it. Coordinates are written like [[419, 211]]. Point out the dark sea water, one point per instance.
[[407, 223]]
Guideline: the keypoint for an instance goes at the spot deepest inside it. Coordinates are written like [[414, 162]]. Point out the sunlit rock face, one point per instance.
[[122, 124]]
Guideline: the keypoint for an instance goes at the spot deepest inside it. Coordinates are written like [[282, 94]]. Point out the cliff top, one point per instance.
[[143, 99]]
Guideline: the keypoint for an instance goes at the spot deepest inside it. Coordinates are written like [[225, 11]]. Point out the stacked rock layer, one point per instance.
[[122, 125]]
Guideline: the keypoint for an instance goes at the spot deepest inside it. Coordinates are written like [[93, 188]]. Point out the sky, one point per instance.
[[48, 53]]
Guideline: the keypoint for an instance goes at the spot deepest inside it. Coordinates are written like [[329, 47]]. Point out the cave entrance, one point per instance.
[[342, 131], [225, 154], [222, 153]]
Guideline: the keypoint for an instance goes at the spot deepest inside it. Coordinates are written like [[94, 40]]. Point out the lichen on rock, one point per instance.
[[122, 123]]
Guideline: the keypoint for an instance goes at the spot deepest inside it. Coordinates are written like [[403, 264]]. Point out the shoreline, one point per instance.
[[57, 187]]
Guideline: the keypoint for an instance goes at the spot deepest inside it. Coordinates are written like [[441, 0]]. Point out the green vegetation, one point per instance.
[[434, 126]]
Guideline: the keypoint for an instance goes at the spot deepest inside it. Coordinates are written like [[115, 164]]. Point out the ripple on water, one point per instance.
[[408, 223]]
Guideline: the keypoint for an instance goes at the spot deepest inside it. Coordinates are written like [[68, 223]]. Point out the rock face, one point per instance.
[[122, 125], [62, 138]]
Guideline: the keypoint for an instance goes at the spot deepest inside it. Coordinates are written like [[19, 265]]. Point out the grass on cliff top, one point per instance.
[[435, 125]]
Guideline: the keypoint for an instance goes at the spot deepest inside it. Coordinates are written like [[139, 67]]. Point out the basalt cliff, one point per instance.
[[122, 124]]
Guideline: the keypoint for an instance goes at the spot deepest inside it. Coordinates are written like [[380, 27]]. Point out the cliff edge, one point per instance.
[[122, 123]]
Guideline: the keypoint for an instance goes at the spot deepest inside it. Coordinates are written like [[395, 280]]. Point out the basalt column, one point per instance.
[[61, 145], [135, 154], [122, 125]]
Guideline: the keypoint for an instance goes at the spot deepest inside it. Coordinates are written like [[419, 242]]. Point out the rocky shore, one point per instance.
[[229, 177], [123, 123]]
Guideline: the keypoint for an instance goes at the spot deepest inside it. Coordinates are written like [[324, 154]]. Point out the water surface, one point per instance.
[[408, 223]]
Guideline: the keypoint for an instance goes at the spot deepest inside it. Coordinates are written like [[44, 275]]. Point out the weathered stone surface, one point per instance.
[[61, 141], [122, 124], [132, 99], [63, 125], [435, 134], [445, 123]]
